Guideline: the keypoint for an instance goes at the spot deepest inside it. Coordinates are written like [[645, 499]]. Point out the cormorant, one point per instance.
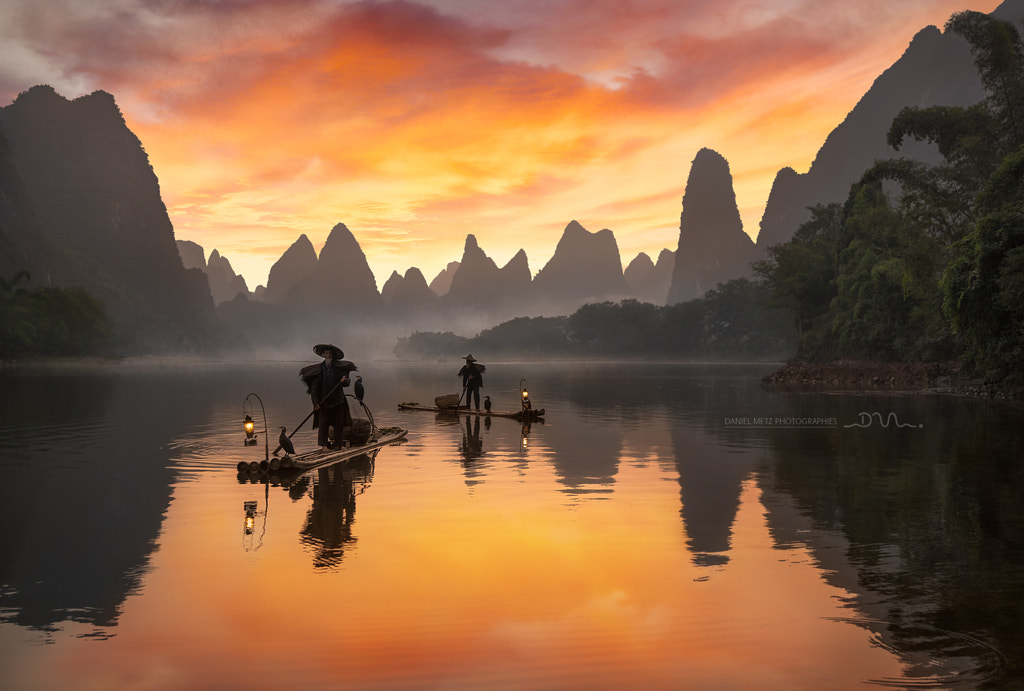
[[285, 442], [358, 387], [487, 403]]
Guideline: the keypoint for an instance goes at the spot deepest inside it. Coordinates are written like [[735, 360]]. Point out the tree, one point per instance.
[[50, 321], [801, 274], [984, 287]]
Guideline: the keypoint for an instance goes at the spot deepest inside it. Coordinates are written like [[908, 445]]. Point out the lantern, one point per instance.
[[250, 430]]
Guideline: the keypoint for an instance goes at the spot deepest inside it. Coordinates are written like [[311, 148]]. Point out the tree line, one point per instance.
[[924, 262], [732, 321], [50, 321]]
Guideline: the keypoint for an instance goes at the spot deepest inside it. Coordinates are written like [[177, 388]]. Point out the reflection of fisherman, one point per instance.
[[325, 383], [472, 445], [328, 529], [472, 379]]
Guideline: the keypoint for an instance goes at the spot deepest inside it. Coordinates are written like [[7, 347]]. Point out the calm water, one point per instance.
[[665, 527]]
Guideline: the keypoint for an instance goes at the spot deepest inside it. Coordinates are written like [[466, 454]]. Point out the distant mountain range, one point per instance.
[[80, 205]]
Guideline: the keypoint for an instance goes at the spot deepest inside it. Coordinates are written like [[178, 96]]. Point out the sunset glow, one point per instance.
[[416, 123]]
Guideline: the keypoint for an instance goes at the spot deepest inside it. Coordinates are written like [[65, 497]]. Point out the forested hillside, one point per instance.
[[924, 263]]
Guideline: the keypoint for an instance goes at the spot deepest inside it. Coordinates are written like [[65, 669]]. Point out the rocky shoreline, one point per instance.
[[850, 375]]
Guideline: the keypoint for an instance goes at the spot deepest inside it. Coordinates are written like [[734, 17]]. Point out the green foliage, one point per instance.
[[423, 345], [738, 321], [524, 336], [50, 321], [733, 321], [999, 54], [940, 272], [888, 303], [609, 328], [984, 286], [801, 274]]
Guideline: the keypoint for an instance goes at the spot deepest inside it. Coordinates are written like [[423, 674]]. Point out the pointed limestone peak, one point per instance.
[[638, 270], [476, 277], [391, 287], [712, 245], [413, 292], [342, 269], [585, 265], [443, 281], [297, 262]]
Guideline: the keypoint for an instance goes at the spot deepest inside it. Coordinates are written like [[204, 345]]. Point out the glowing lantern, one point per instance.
[[250, 431]]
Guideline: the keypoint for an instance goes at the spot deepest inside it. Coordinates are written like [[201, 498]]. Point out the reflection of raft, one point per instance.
[[530, 415], [302, 462]]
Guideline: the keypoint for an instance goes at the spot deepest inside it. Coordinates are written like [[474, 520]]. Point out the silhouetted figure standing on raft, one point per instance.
[[472, 380], [325, 383]]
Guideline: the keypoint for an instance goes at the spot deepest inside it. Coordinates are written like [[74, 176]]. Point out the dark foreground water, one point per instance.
[[665, 527]]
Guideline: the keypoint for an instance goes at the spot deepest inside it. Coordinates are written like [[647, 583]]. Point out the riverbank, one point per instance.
[[852, 375]]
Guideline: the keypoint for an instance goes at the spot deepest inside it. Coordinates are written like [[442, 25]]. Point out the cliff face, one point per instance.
[[936, 69], [20, 237], [712, 245], [102, 222]]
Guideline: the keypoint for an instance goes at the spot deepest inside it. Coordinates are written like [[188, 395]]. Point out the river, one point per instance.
[[665, 526]]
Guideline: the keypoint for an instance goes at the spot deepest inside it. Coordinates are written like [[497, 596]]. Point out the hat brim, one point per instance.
[[320, 348]]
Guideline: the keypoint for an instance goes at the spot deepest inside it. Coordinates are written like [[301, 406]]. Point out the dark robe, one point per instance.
[[326, 388]]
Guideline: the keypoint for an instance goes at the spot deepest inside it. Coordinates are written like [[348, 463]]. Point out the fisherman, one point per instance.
[[472, 380], [325, 384]]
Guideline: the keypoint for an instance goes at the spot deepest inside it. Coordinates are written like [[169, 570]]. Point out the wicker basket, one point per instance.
[[357, 433], [449, 400]]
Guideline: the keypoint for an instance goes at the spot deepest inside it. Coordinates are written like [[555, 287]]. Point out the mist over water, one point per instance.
[[664, 526]]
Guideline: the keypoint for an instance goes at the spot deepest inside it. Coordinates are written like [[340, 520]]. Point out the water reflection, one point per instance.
[[85, 488], [916, 529], [328, 529], [933, 531]]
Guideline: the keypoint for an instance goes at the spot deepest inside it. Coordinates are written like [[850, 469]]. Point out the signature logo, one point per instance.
[[868, 419]]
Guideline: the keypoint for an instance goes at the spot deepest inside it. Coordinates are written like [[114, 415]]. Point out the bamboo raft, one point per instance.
[[310, 460], [529, 415]]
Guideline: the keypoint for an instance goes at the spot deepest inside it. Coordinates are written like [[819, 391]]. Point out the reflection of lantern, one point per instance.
[[250, 516], [250, 431]]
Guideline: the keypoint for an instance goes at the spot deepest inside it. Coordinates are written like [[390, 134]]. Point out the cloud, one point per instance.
[[406, 120]]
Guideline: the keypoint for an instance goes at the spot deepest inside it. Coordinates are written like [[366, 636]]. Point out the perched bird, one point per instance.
[[285, 442], [359, 388], [487, 403]]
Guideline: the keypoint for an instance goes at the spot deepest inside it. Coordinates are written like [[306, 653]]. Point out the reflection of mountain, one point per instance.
[[586, 458], [710, 484], [74, 550], [328, 529], [915, 524]]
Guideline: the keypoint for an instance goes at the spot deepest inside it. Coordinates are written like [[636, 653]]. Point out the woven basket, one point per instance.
[[449, 400], [357, 433]]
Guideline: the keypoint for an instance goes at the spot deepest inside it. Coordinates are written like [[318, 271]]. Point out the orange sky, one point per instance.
[[415, 123]]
